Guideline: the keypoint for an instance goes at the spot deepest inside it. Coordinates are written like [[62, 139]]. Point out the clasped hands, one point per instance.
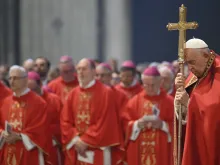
[[156, 124], [12, 137], [81, 147], [181, 96]]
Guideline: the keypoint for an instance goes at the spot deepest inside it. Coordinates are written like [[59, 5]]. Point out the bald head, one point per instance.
[[28, 65], [85, 71], [17, 78]]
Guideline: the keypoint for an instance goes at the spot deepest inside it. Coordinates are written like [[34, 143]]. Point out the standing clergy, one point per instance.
[[167, 80], [23, 124], [89, 121], [200, 99], [103, 74], [129, 84], [54, 107], [67, 80], [149, 127], [42, 67]]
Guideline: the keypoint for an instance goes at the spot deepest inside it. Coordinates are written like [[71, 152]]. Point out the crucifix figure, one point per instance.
[[181, 26]]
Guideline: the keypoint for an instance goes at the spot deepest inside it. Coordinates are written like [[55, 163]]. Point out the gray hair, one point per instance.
[[17, 67], [166, 69]]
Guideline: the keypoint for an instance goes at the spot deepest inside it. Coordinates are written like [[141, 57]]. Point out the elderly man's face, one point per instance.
[[17, 80], [151, 84], [168, 80], [103, 75], [196, 61], [85, 72], [66, 70]]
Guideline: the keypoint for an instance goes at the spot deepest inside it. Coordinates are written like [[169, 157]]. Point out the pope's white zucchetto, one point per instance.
[[196, 43]]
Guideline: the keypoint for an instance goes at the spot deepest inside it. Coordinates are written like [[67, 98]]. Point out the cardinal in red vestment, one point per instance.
[[62, 85], [89, 122], [129, 84], [201, 101], [104, 74], [23, 124], [167, 80], [54, 107], [148, 123]]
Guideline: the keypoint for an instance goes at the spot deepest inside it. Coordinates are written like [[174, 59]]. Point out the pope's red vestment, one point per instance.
[[202, 144]]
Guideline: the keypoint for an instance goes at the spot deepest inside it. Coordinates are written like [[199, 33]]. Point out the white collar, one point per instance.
[[134, 82], [23, 93], [90, 84]]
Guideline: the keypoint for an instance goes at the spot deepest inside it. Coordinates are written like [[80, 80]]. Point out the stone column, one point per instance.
[[117, 28]]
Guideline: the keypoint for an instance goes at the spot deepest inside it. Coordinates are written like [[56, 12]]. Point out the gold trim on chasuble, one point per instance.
[[148, 138], [83, 112], [15, 119]]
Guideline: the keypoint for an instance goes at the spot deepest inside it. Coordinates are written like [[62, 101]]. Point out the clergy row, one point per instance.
[[86, 115]]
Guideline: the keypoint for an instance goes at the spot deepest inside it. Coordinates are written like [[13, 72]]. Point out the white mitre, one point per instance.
[[196, 43]]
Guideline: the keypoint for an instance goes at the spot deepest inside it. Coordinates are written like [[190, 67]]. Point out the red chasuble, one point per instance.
[[5, 91], [119, 153], [129, 91], [62, 88], [91, 114], [54, 107], [202, 141], [27, 115], [152, 146]]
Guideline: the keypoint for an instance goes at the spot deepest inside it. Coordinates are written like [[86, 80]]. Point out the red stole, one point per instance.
[[202, 133]]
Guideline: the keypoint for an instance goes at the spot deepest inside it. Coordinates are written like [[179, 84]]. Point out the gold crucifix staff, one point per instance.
[[182, 26]]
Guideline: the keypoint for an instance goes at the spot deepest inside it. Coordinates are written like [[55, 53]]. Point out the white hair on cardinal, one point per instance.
[[17, 67]]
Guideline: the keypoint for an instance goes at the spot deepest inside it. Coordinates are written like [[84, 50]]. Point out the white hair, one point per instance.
[[154, 64], [162, 69], [17, 67]]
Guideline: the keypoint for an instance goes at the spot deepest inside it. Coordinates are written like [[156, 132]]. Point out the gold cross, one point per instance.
[[15, 123], [84, 116], [182, 26]]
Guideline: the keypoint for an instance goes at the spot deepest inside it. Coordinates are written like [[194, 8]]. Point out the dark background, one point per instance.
[[151, 41]]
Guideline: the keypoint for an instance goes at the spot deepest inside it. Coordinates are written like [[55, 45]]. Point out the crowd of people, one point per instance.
[[92, 112]]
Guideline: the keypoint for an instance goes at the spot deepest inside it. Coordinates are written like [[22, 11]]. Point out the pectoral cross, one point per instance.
[[182, 26], [15, 124], [83, 117]]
